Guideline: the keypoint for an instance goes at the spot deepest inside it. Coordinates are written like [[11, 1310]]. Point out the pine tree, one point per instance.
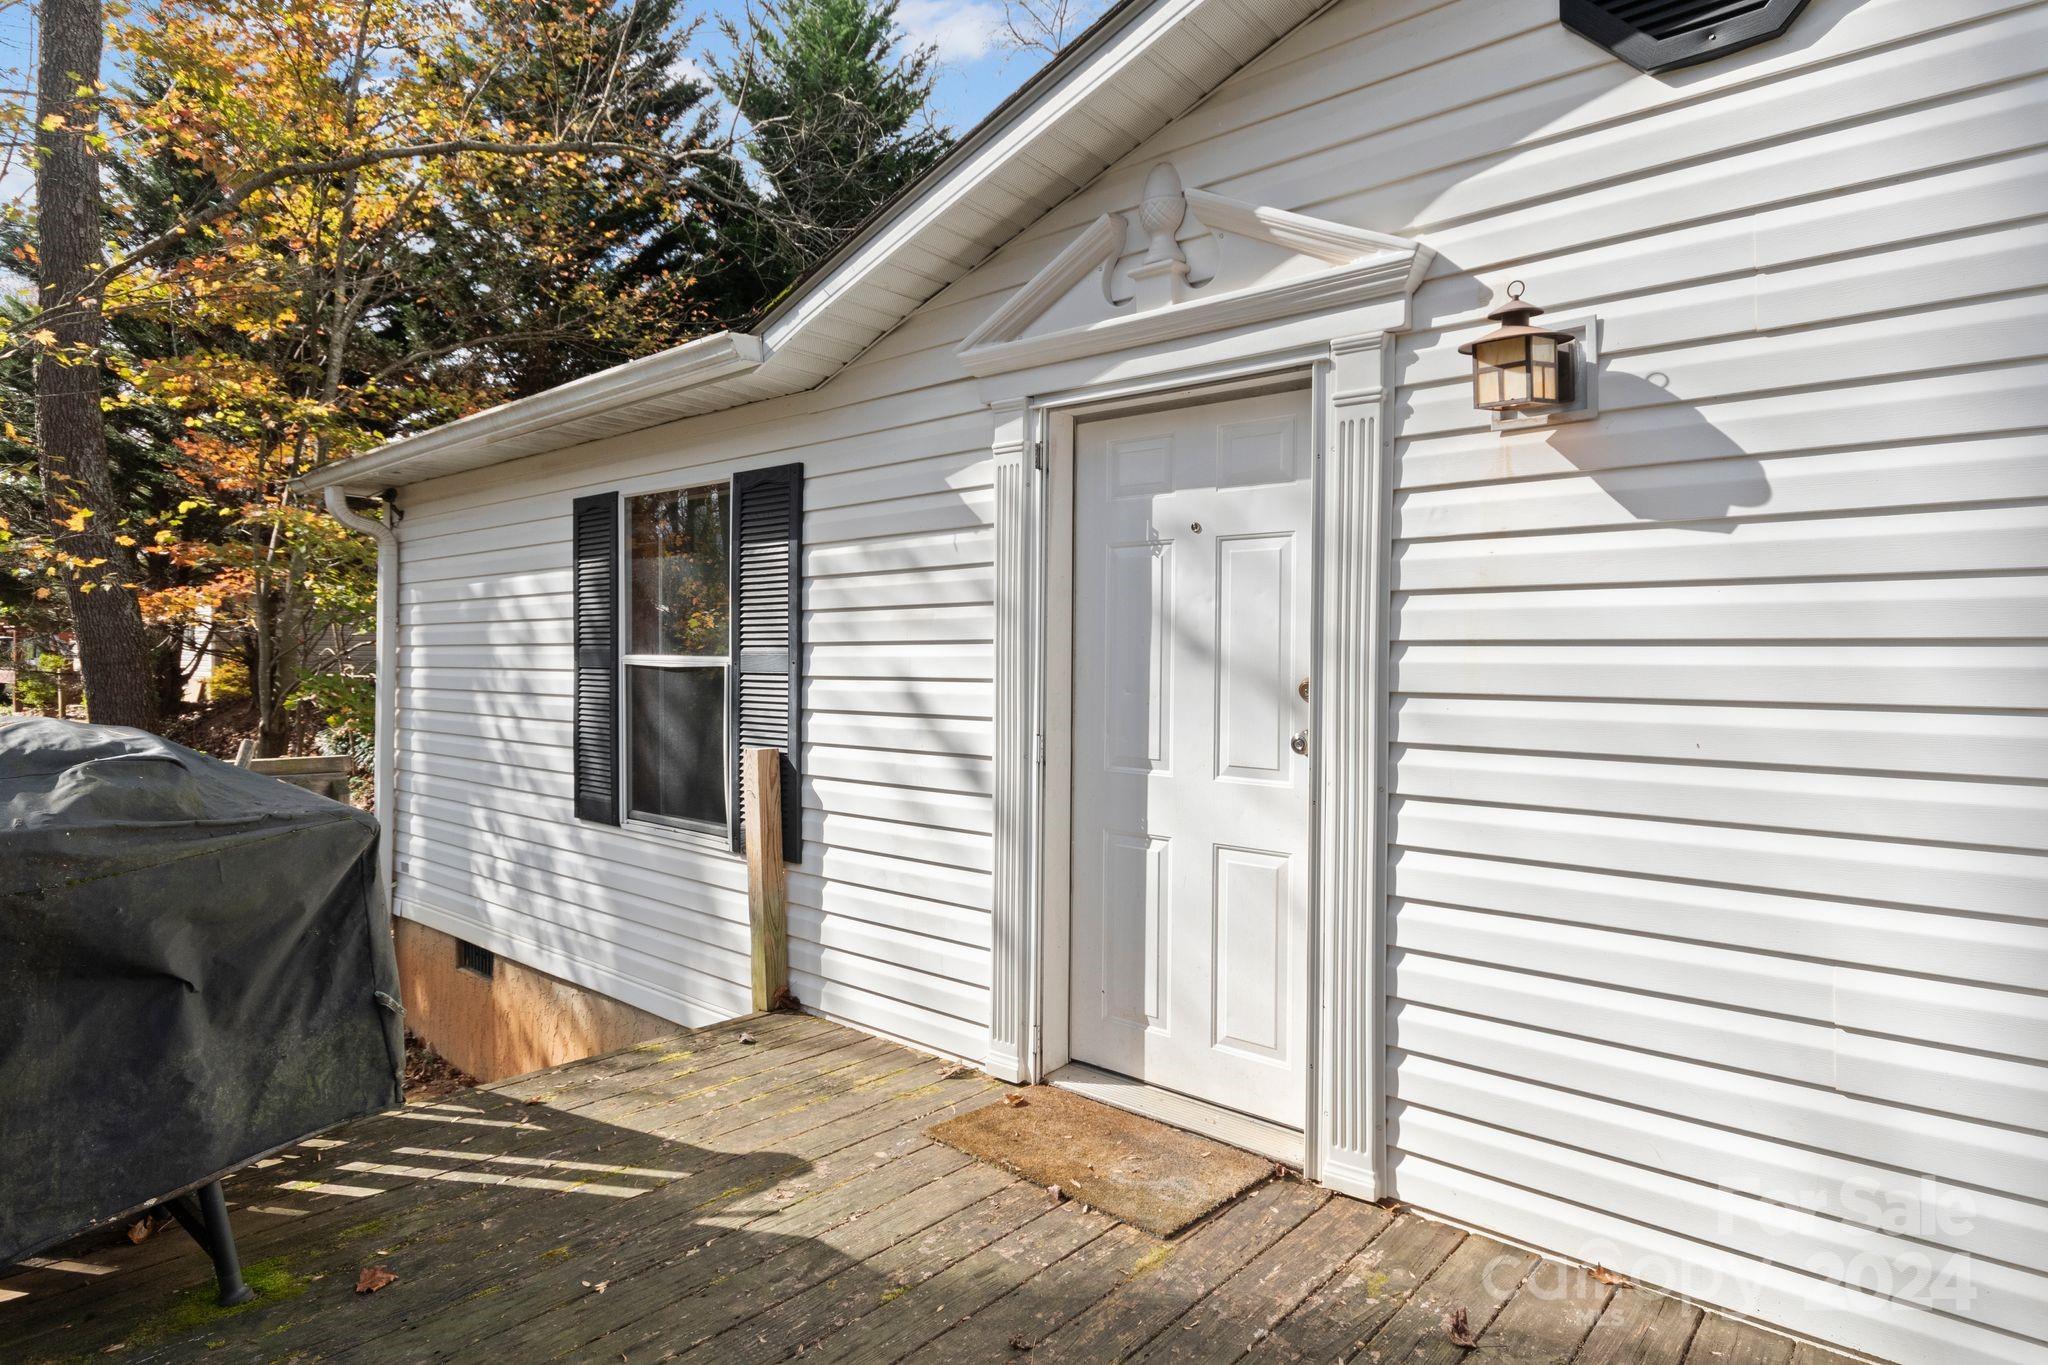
[[838, 119], [571, 273]]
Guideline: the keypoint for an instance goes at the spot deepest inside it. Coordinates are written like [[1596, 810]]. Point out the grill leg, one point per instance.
[[204, 1214]]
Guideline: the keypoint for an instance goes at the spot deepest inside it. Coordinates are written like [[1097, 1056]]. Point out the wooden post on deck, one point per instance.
[[767, 884]]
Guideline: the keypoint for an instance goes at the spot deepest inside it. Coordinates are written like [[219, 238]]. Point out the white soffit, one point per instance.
[[1140, 67]]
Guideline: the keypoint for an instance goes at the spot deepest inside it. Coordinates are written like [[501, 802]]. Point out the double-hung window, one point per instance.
[[678, 636], [688, 623]]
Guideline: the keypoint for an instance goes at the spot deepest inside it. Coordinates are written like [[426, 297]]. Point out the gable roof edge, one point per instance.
[[730, 369]]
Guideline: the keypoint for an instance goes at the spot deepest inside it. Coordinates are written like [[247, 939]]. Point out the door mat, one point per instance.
[[1155, 1177]]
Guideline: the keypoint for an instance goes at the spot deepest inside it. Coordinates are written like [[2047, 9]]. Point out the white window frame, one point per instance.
[[721, 830]]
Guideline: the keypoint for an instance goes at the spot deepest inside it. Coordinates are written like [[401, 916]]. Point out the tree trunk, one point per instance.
[[167, 664], [262, 678], [71, 434]]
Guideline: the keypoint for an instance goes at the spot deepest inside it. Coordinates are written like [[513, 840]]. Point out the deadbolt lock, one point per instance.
[[1303, 689]]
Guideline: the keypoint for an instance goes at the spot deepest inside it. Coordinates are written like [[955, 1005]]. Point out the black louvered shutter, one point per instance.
[[596, 535], [767, 627], [1661, 35]]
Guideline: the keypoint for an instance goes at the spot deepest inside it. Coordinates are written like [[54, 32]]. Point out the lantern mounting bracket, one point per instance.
[[1584, 357]]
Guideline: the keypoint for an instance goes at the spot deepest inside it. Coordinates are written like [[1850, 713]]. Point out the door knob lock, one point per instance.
[[1300, 742]]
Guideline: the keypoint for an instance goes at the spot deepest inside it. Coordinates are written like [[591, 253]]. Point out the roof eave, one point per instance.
[[643, 394], [705, 360], [683, 365]]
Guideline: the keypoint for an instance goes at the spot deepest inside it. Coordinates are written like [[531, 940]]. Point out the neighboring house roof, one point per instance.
[[1142, 65]]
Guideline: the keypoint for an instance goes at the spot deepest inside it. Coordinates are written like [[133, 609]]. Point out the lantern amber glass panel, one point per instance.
[[1519, 369]]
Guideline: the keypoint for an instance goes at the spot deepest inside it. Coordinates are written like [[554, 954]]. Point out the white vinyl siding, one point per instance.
[[1718, 921], [889, 908], [1720, 724]]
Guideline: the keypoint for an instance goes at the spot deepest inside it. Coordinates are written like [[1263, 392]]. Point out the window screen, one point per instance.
[[678, 641]]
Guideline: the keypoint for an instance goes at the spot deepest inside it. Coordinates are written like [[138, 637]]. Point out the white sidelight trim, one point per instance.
[[1016, 767], [1351, 719], [1324, 329]]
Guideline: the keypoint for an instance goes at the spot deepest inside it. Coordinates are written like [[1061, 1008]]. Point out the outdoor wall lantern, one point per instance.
[[1520, 370]]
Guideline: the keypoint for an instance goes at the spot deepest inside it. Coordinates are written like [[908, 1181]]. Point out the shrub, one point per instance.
[[37, 686], [230, 682]]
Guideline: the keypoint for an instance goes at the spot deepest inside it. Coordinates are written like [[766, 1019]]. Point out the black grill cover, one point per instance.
[[195, 969]]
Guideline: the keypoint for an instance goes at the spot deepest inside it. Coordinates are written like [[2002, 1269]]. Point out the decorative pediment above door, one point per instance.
[[1184, 262]]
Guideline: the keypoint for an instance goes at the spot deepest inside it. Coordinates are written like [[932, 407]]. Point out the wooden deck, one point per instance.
[[741, 1202]]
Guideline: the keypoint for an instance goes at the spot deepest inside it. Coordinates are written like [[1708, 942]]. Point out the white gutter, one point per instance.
[[385, 740], [706, 360]]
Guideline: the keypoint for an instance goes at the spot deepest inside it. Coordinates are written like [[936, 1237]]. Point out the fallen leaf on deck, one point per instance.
[[1019, 1343], [140, 1230], [374, 1278], [599, 1287], [1056, 1192], [1459, 1330], [1606, 1276], [746, 1037]]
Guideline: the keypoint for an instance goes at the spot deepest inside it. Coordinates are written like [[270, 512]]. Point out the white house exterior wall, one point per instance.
[[1718, 917]]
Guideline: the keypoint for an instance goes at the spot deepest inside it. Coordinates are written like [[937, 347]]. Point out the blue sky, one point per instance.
[[976, 67]]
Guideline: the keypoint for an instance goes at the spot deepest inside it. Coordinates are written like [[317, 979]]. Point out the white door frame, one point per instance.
[[1344, 353], [1054, 1052]]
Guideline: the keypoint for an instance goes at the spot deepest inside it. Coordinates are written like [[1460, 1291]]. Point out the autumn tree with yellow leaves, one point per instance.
[[328, 222], [275, 233]]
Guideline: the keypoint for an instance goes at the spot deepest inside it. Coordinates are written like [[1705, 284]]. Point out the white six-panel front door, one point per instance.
[[1191, 810]]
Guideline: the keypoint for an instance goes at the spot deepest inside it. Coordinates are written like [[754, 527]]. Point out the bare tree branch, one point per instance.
[[1045, 25]]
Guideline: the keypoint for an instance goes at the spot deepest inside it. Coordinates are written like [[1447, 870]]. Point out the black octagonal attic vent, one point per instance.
[[1659, 35]]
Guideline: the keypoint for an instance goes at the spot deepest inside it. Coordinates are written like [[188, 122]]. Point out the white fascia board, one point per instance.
[[1071, 81], [482, 437], [1100, 59]]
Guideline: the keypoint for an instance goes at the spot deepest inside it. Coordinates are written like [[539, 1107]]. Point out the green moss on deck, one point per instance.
[[193, 1309], [1149, 1262]]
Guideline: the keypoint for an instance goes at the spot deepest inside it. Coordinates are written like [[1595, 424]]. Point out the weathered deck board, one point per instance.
[[1244, 1308], [955, 1294], [1047, 1301], [816, 1314], [1339, 1318], [751, 1202], [1188, 1270], [863, 1180], [1724, 1341], [1479, 1278], [569, 1092], [1641, 1327], [1554, 1311]]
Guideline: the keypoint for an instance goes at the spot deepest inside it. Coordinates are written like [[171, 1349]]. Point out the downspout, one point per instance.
[[385, 741]]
